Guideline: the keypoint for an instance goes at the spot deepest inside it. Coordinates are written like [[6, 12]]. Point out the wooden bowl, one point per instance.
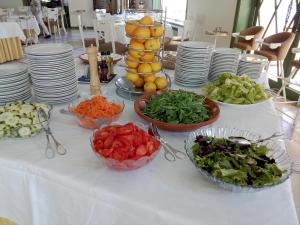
[[214, 112]]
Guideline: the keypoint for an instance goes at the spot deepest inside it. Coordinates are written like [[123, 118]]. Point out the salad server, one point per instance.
[[244, 141], [50, 150], [171, 153]]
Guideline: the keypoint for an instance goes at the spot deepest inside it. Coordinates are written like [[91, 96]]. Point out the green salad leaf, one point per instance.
[[234, 163], [178, 107], [230, 88]]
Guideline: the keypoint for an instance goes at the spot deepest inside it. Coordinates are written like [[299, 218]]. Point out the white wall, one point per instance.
[[10, 3], [211, 14]]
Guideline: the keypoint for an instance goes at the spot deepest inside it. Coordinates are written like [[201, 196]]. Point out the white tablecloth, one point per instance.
[[79, 189], [31, 23], [11, 29]]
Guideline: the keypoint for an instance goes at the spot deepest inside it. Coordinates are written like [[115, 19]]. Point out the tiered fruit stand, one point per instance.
[[145, 29]]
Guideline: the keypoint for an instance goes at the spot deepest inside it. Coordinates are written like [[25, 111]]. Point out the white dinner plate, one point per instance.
[[48, 49]]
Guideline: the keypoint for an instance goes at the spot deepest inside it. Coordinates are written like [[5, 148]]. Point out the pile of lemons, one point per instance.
[[142, 62]]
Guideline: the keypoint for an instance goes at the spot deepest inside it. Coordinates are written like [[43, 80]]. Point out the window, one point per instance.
[[176, 9]]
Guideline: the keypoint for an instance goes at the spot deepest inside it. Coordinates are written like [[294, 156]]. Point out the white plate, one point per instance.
[[48, 49], [12, 68], [196, 44]]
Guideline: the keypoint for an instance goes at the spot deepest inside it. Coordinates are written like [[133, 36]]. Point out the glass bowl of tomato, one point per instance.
[[124, 146], [94, 111]]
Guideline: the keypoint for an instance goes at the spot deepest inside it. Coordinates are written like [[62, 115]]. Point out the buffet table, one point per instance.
[[79, 189]]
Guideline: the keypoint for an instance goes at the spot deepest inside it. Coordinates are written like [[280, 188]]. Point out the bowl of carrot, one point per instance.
[[95, 111]]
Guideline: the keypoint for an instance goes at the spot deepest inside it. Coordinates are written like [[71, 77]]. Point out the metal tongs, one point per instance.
[[50, 150], [245, 141], [171, 153]]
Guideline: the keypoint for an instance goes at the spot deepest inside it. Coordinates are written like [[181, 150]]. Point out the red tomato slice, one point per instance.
[[98, 144], [117, 144], [107, 152], [141, 150], [108, 142]]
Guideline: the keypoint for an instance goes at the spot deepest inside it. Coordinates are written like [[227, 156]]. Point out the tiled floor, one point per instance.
[[287, 113]]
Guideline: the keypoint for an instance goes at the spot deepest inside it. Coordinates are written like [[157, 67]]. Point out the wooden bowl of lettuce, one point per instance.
[[177, 110]]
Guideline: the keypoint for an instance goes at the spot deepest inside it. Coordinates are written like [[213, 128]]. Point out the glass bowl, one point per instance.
[[128, 164], [278, 153], [91, 123]]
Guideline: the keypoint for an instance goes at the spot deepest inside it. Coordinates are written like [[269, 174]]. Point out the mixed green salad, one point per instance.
[[20, 119], [230, 88], [178, 107], [233, 163]]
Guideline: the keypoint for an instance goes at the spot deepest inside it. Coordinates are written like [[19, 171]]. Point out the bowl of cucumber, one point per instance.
[[20, 119]]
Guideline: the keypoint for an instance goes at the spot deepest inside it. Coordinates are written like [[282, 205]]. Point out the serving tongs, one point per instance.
[[244, 141], [171, 153], [50, 150]]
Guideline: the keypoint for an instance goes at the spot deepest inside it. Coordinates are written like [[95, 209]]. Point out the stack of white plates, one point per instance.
[[14, 83], [52, 70], [252, 65], [224, 60], [192, 63]]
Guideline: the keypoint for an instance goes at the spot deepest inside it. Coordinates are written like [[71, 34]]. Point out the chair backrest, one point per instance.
[[81, 30], [257, 31], [188, 29], [285, 38], [104, 30], [102, 16], [52, 14]]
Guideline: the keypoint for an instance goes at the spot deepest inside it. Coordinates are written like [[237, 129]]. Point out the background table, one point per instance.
[[30, 23], [11, 29], [80, 189]]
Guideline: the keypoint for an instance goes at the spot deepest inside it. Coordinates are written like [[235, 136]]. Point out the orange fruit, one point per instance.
[[161, 83], [148, 57], [131, 70], [149, 87], [156, 66], [130, 62], [146, 20], [139, 82], [152, 44], [142, 32], [144, 68], [138, 46], [130, 27], [132, 77], [150, 78], [157, 30]]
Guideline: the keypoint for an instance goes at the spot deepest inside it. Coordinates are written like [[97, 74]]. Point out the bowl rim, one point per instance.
[[179, 127]]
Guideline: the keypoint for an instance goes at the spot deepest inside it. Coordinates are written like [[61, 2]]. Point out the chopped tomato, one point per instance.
[[122, 142]]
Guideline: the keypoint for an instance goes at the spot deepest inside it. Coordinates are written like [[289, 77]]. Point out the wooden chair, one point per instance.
[[245, 40], [296, 67], [52, 17], [275, 48]]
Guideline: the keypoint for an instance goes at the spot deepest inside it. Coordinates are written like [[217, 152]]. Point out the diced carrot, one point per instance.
[[98, 106]]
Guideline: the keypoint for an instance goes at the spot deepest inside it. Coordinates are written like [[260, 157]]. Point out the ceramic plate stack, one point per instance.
[[192, 63], [224, 60], [52, 70], [14, 83], [252, 65]]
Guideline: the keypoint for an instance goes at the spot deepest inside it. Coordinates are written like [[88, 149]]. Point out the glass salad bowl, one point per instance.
[[122, 164], [277, 152], [89, 122]]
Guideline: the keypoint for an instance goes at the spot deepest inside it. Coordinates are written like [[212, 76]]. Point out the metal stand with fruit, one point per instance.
[[145, 51]]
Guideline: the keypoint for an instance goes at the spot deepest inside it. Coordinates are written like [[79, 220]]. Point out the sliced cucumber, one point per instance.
[[12, 121], [24, 132], [25, 121], [6, 116]]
